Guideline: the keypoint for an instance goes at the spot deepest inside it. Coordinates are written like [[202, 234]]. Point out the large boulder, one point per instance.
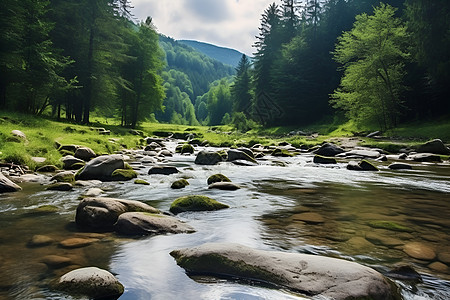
[[137, 223], [92, 282], [7, 186], [329, 149], [435, 147], [195, 203], [101, 168], [208, 158], [312, 275], [85, 153], [102, 213], [234, 154]]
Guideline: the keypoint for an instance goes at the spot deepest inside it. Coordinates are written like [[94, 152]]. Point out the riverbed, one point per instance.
[[284, 204]]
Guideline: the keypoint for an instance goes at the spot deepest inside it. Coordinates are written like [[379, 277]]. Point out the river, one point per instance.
[[268, 213]]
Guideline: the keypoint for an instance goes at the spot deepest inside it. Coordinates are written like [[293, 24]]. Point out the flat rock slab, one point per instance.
[[136, 223], [77, 243], [419, 251], [308, 274]]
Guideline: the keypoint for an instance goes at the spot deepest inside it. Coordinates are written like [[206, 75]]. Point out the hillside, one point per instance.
[[225, 55]]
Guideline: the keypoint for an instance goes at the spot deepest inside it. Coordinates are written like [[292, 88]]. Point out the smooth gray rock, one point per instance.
[[92, 282], [226, 186], [101, 168], [329, 149], [435, 147], [102, 213], [208, 158], [19, 134], [309, 274], [7, 186], [85, 153], [69, 160], [318, 159], [363, 153], [234, 154], [425, 157], [137, 223]]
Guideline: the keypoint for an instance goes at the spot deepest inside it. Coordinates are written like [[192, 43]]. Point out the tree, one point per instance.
[[240, 90], [373, 56]]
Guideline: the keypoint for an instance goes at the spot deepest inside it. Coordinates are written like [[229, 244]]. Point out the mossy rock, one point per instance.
[[123, 175], [46, 209], [66, 152], [66, 176], [218, 178], [77, 166], [187, 149], [141, 182], [282, 153], [195, 203], [180, 184], [392, 226]]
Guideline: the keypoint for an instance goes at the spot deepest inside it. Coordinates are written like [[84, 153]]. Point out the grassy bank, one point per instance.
[[43, 136]]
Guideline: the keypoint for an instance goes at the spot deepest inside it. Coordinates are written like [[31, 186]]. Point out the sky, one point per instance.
[[226, 23]]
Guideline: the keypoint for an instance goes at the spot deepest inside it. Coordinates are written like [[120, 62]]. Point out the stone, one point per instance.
[[138, 224], [19, 134], [362, 153], [195, 203], [92, 282], [329, 149], [318, 159], [165, 153], [102, 213], [278, 152], [439, 267], [387, 241], [60, 186], [405, 273], [400, 166], [419, 251], [77, 243], [69, 148], [444, 257], [234, 154], [47, 169], [363, 165], [38, 160], [69, 161], [208, 158], [141, 182], [40, 241], [226, 186], [101, 168], [7, 186], [66, 176], [179, 184], [217, 178], [56, 261], [435, 146], [425, 157], [308, 217], [163, 170], [87, 183], [93, 192], [312, 275], [123, 175], [85, 153], [186, 149]]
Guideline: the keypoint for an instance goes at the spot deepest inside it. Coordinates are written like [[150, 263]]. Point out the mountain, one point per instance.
[[225, 55]]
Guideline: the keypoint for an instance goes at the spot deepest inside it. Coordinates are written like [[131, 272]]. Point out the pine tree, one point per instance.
[[241, 90]]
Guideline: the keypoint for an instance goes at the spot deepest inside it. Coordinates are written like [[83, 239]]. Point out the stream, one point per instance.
[[266, 213]]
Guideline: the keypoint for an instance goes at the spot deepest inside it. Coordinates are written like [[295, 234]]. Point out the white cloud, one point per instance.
[[227, 23]]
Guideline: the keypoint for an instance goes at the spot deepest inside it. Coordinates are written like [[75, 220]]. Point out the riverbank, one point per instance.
[[42, 137]]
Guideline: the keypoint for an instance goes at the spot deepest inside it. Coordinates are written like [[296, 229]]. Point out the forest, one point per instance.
[[317, 60]]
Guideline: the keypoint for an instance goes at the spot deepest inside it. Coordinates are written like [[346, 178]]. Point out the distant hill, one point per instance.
[[225, 55]]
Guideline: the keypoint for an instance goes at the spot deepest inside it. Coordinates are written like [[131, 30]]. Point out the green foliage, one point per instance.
[[373, 54]]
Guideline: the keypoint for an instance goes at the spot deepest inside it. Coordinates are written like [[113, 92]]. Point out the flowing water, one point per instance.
[[268, 212]]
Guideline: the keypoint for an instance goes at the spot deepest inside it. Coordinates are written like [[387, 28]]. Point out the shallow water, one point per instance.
[[266, 213]]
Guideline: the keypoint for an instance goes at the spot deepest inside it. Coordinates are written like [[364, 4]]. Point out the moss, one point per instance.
[[196, 203], [123, 175], [218, 178], [127, 167], [389, 226], [142, 182], [187, 149], [180, 184], [64, 177], [282, 153]]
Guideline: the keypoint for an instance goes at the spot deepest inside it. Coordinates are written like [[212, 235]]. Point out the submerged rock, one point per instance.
[[102, 213], [92, 282], [195, 203], [163, 170], [308, 274], [137, 223], [419, 251], [226, 186], [7, 186], [400, 166]]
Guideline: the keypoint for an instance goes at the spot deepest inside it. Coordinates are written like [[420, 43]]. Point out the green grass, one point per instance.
[[439, 129]]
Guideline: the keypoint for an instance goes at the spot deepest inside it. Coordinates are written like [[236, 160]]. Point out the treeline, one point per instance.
[[388, 66]]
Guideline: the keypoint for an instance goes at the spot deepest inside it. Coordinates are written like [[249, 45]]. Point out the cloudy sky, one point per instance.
[[227, 23]]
